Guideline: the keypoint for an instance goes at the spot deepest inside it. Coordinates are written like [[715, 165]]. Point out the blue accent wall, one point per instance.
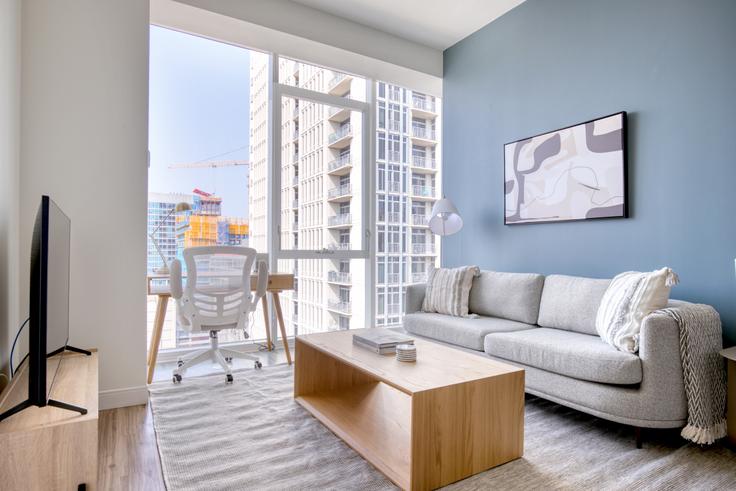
[[551, 63]]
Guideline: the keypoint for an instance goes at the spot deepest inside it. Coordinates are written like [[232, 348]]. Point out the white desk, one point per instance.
[[277, 283]]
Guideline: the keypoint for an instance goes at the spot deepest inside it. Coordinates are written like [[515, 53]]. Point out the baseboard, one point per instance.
[[129, 396]]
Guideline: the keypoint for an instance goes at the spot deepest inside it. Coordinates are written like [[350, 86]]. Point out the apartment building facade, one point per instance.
[[321, 193]]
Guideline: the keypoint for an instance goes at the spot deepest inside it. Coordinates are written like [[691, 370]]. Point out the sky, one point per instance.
[[199, 100]]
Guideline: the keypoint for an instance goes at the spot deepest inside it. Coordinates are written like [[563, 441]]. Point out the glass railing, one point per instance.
[[420, 220], [339, 306], [338, 277], [295, 203], [423, 133], [424, 162], [393, 187], [393, 217], [342, 219], [340, 134], [393, 278], [339, 191], [394, 125], [393, 156], [422, 248], [423, 104], [426, 191], [341, 246], [341, 161], [336, 80]]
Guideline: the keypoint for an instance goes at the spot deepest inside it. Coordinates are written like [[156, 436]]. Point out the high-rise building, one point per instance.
[[321, 193], [159, 206]]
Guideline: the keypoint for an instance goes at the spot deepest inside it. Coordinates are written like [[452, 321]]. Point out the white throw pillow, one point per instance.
[[448, 290], [629, 298]]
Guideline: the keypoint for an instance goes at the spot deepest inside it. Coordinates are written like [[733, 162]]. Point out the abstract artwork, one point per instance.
[[575, 173]]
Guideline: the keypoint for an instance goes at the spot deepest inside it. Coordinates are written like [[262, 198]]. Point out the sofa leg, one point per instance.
[[637, 436]]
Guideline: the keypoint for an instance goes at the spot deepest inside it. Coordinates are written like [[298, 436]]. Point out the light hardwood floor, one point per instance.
[[128, 458]]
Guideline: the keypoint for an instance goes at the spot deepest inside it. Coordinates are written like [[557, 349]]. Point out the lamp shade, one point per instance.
[[445, 219]]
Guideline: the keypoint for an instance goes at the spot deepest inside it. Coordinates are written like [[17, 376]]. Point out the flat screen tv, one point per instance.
[[49, 306]]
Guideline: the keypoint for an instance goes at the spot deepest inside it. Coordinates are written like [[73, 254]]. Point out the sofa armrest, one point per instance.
[[659, 351], [414, 298]]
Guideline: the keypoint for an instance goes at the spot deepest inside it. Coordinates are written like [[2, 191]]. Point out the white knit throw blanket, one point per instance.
[[703, 371]]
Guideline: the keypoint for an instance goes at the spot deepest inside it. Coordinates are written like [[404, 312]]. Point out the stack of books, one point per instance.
[[381, 341]]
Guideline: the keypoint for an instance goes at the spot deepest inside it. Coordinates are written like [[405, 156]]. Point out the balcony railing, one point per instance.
[[295, 180], [424, 162], [340, 134], [340, 306], [420, 220], [393, 187], [422, 248], [418, 277], [424, 191], [341, 161], [342, 219], [393, 278], [336, 80], [295, 157], [423, 133], [295, 226], [393, 248], [338, 277], [392, 156], [295, 135], [394, 125], [423, 104], [341, 246], [339, 191], [295, 203]]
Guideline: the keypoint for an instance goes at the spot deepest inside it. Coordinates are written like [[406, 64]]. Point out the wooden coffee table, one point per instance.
[[448, 416]]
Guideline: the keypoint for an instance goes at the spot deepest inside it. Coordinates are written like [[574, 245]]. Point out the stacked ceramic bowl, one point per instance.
[[406, 352]]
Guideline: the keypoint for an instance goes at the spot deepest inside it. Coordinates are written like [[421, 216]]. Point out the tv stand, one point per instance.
[[52, 447]]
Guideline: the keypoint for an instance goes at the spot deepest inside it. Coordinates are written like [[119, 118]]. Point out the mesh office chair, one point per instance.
[[217, 296]]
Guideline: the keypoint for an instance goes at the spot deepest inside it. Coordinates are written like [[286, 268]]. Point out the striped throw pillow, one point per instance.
[[629, 298], [448, 290]]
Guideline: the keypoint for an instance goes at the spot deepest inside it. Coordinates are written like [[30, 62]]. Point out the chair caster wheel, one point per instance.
[[229, 379], [258, 365], [229, 359], [176, 378]]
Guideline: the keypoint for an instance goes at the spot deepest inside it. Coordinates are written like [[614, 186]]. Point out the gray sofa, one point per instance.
[[547, 326]]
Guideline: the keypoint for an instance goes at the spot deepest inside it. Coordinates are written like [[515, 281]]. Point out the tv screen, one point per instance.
[[49, 298]]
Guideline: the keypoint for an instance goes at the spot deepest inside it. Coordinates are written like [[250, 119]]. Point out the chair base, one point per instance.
[[221, 356]]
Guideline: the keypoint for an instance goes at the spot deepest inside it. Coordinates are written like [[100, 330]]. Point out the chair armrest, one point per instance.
[[262, 283], [175, 279], [415, 298]]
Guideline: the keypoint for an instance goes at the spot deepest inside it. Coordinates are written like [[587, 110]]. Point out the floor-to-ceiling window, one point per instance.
[[335, 182]]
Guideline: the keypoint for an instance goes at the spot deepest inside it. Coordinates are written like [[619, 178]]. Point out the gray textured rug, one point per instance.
[[252, 435]]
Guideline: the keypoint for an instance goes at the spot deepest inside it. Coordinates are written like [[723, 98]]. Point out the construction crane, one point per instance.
[[211, 164]]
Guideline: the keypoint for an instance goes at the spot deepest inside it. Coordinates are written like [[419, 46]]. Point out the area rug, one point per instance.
[[251, 435]]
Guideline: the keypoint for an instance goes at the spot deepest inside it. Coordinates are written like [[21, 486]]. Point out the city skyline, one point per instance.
[[199, 110]]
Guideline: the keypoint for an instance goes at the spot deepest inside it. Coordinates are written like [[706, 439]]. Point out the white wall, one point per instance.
[[84, 140], [303, 33], [9, 181]]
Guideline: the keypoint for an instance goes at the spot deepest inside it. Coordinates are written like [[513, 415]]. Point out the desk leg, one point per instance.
[[158, 326], [267, 322], [280, 318]]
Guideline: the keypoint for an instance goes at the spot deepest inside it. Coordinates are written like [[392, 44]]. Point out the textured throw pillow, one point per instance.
[[629, 298], [448, 290]]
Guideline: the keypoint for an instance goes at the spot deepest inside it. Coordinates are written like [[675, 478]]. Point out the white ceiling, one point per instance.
[[435, 23]]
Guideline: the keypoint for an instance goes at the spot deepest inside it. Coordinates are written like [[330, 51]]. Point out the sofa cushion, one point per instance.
[[462, 331], [513, 296], [573, 354], [571, 302]]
